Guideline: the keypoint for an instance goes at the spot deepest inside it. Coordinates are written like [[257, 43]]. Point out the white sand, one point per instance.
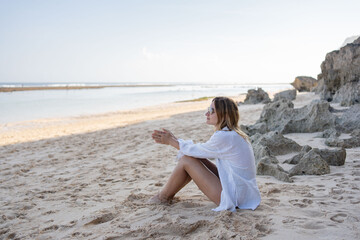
[[88, 178]]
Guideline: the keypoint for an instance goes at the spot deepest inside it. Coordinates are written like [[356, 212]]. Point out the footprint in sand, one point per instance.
[[272, 191], [190, 205], [313, 225], [101, 219], [76, 234], [50, 228], [11, 236], [301, 203], [339, 218], [288, 220], [336, 191], [262, 228], [50, 212], [79, 234], [272, 202]]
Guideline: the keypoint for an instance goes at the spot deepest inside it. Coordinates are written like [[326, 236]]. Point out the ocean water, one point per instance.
[[40, 104]]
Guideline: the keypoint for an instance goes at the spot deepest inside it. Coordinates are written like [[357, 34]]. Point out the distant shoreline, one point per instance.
[[15, 89]]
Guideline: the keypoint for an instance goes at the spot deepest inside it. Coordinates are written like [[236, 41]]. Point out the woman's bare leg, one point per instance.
[[188, 169], [211, 166]]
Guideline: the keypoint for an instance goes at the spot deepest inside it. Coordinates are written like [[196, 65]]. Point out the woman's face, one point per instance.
[[211, 117]]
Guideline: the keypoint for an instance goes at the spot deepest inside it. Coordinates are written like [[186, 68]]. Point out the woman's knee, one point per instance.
[[187, 160]]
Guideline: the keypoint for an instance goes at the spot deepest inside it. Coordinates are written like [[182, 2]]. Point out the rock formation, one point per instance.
[[353, 141], [348, 94], [340, 72], [310, 164], [296, 159], [282, 117], [331, 132], [275, 143], [320, 87], [339, 82], [288, 94], [265, 167], [256, 96], [350, 120], [266, 147], [333, 157], [304, 84], [350, 40]]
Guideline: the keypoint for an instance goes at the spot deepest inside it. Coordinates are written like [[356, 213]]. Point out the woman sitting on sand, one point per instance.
[[231, 182]]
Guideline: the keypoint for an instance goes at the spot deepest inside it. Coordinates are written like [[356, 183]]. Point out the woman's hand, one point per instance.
[[165, 137]]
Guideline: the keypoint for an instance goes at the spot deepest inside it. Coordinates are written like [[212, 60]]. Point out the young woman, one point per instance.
[[230, 183]]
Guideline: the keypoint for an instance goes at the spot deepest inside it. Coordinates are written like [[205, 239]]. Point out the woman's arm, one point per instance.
[[165, 137], [213, 148]]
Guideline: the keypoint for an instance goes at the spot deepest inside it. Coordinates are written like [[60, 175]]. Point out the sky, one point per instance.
[[199, 41]]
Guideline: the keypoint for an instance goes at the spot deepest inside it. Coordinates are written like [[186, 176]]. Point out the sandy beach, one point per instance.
[[90, 177]]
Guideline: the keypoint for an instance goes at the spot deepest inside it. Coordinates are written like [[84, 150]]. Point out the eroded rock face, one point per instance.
[[310, 164], [353, 141], [320, 86], [350, 120], [256, 96], [261, 152], [282, 117], [266, 147], [275, 143], [288, 94], [341, 74], [314, 117], [349, 94], [250, 130], [296, 159], [350, 40], [333, 157], [265, 167], [276, 114], [304, 84], [331, 132]]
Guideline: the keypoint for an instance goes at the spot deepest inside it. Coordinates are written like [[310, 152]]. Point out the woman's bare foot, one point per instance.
[[157, 200]]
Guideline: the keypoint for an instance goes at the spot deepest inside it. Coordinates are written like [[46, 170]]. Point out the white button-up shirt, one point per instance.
[[236, 166]]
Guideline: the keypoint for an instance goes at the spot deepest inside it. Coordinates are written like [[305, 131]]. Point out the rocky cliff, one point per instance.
[[340, 73]]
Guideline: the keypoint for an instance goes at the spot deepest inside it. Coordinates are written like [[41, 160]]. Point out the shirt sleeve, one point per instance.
[[209, 149]]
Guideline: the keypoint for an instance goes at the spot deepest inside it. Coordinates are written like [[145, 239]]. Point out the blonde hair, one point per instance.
[[228, 115]]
